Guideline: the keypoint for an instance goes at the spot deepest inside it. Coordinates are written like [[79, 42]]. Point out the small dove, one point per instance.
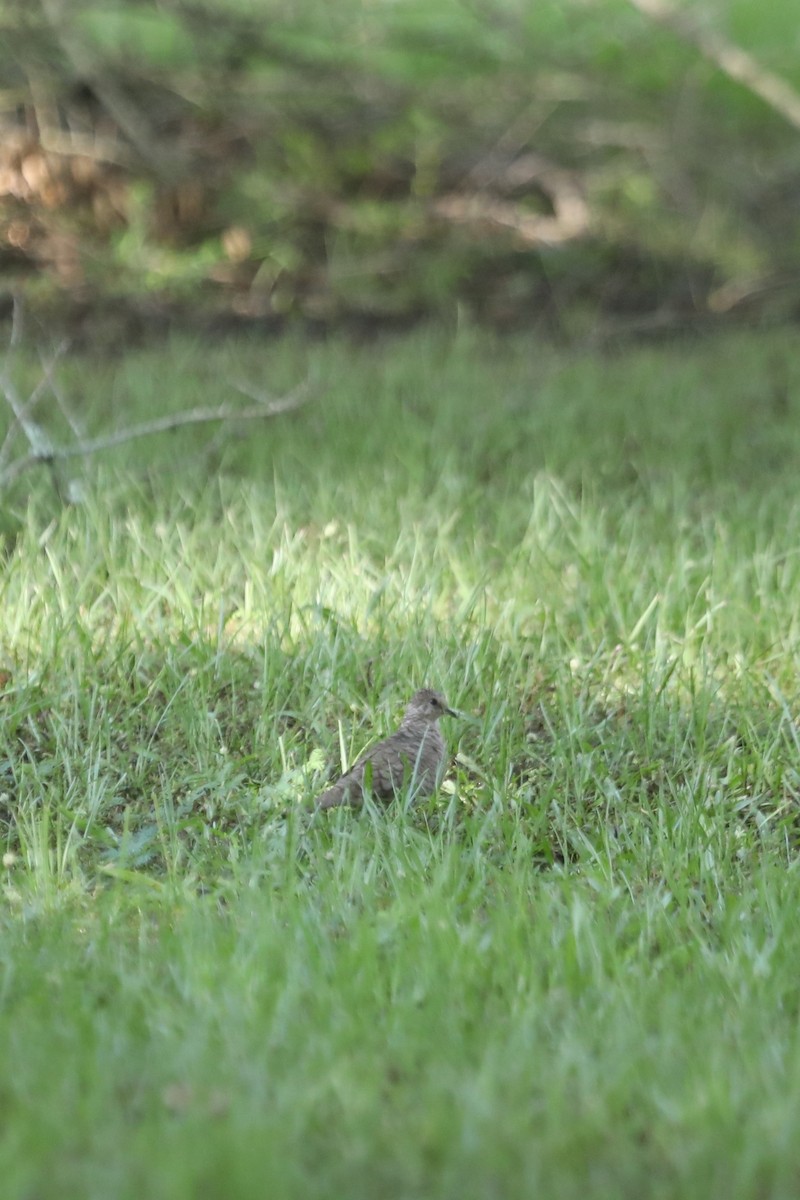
[[411, 759]]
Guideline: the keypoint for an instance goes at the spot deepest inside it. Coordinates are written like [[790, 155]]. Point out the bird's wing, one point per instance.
[[384, 768], [379, 770]]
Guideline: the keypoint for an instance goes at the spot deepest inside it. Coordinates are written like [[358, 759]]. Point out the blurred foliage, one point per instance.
[[391, 159]]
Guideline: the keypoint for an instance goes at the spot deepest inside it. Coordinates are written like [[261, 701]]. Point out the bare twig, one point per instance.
[[262, 397], [38, 440], [17, 321], [84, 448], [519, 134], [487, 206], [571, 219], [66, 411], [731, 59]]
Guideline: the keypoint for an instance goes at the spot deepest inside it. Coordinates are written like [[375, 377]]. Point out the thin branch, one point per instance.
[[254, 393], [736, 63], [65, 409], [571, 219], [193, 416], [17, 321], [38, 440], [36, 436], [519, 134]]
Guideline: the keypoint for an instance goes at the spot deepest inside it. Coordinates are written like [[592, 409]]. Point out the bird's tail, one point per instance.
[[333, 798]]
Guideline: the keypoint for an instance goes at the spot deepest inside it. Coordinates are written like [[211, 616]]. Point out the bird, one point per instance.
[[412, 758]]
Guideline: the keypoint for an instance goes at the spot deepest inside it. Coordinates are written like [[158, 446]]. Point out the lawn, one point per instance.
[[574, 973]]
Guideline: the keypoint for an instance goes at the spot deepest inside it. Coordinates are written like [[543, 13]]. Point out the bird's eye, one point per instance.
[[434, 701]]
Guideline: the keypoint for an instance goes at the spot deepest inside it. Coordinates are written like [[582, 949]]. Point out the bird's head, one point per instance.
[[428, 705]]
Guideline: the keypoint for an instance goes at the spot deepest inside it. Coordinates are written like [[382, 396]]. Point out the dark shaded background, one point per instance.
[[582, 168]]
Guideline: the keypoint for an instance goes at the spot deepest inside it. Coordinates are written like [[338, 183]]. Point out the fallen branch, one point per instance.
[[22, 409], [48, 453], [571, 221], [487, 206]]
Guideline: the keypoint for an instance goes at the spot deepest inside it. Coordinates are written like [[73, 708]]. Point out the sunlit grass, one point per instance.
[[571, 973]]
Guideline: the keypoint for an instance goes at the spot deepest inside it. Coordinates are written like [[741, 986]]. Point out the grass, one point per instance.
[[574, 973]]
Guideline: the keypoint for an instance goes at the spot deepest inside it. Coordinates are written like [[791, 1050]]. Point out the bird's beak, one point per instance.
[[452, 712]]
